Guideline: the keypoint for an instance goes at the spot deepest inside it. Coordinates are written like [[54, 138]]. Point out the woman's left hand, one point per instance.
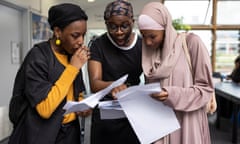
[[160, 96]]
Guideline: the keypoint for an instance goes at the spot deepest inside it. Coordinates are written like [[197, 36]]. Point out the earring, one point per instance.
[[58, 41]]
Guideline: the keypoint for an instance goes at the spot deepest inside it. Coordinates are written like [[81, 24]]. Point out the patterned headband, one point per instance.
[[119, 7]]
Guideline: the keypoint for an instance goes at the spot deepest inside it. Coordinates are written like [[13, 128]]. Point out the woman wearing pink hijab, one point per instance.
[[186, 88]]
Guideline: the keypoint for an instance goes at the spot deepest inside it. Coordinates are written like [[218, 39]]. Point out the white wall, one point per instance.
[[11, 31]]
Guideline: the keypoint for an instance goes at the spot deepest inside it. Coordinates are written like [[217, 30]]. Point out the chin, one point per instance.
[[121, 44]]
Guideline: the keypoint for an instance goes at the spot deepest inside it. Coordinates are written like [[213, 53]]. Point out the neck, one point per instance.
[[56, 48]]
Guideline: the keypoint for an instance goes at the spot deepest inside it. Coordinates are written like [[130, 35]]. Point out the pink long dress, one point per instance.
[[188, 92], [187, 99]]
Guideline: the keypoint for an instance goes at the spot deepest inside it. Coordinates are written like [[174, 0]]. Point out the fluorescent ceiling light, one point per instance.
[[91, 0]]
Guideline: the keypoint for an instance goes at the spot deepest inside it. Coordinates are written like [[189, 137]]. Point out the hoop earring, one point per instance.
[[58, 41]]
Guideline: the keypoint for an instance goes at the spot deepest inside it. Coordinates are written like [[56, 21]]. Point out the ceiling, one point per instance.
[[95, 9], [102, 3], [88, 5]]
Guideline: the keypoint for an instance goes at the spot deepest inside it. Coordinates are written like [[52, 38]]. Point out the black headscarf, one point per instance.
[[63, 14], [118, 7]]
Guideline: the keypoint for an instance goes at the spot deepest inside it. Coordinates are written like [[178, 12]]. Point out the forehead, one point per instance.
[[119, 19], [152, 32], [77, 26]]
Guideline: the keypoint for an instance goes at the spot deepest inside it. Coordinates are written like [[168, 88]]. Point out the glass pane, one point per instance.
[[228, 12], [193, 12], [227, 49]]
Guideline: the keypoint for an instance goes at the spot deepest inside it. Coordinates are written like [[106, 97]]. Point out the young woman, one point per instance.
[[114, 54], [49, 77], [187, 89]]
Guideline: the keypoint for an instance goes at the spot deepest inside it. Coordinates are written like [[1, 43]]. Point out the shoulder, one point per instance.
[[194, 42], [196, 46], [43, 48], [193, 38], [100, 38], [39, 52], [99, 41]]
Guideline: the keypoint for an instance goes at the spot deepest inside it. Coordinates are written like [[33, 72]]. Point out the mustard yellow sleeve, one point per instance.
[[81, 96], [71, 116], [58, 92]]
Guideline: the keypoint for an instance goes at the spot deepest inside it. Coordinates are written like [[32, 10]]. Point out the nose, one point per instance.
[[119, 30], [80, 40], [147, 42]]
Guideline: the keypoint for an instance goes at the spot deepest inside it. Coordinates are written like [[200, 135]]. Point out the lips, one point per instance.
[[120, 41]]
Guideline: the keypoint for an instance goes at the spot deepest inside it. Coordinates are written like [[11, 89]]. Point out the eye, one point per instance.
[[113, 26], [152, 36], [125, 26], [75, 35]]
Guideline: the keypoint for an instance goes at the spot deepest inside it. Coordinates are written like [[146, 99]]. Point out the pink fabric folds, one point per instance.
[[160, 62], [145, 22]]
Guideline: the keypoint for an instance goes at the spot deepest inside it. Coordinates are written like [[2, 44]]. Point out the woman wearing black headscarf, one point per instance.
[[49, 76]]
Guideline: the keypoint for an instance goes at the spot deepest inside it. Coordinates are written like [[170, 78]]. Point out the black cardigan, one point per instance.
[[39, 71]]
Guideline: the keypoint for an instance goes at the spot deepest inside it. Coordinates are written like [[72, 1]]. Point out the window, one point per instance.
[[210, 19], [226, 50], [228, 12], [193, 12]]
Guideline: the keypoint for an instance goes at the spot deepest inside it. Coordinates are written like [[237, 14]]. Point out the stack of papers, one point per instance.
[[111, 110], [150, 119], [92, 100]]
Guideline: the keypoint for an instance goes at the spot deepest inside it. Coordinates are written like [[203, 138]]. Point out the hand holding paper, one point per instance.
[[92, 100], [150, 119]]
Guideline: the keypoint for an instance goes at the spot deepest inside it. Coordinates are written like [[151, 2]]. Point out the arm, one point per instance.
[[196, 96], [45, 95], [191, 96], [95, 76], [57, 93]]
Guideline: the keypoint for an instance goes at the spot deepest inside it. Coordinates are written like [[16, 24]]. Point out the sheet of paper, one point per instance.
[[92, 100], [150, 119], [111, 110]]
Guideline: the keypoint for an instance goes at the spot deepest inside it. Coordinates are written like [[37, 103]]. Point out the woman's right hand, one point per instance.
[[80, 57], [162, 96], [118, 89]]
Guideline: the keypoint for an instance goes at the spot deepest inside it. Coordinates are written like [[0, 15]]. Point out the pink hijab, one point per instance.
[[159, 63]]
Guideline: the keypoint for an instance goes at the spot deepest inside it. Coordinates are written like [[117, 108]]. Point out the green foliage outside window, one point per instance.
[[178, 24]]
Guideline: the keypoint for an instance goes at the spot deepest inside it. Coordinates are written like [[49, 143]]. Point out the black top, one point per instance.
[[117, 62]]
